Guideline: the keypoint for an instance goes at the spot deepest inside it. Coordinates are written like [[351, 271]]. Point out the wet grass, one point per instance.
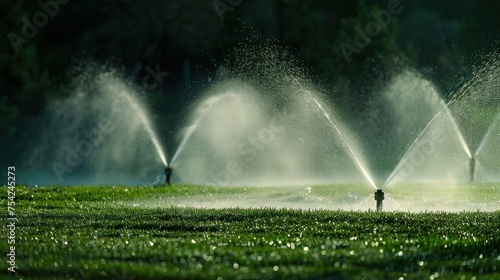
[[94, 233]]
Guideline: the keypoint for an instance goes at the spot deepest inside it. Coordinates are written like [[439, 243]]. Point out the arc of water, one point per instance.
[[491, 64], [351, 151], [396, 169], [192, 128], [189, 132], [358, 163], [457, 129], [494, 124], [147, 125], [446, 111]]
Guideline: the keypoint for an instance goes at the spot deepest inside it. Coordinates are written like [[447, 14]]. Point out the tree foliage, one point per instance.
[[188, 37]]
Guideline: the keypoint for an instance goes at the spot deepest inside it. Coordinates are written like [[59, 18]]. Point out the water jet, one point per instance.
[[432, 145], [106, 124]]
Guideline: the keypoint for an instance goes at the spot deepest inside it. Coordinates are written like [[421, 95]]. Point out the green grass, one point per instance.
[[105, 233]]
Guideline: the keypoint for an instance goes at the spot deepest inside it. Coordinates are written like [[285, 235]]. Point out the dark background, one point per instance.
[[444, 40]]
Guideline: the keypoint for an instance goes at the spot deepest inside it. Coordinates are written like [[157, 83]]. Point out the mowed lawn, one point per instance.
[[107, 232]]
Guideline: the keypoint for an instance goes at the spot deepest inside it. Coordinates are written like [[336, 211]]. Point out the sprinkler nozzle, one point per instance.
[[168, 172], [379, 197], [472, 166]]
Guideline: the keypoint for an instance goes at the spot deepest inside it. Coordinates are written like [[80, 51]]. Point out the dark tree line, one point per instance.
[[189, 39]]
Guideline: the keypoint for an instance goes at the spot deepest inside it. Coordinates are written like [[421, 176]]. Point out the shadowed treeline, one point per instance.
[[174, 50]]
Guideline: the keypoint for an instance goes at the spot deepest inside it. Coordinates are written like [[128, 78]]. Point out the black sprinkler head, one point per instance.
[[168, 172], [472, 169], [379, 197]]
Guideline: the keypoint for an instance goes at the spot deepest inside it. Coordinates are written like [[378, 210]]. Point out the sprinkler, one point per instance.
[[168, 172], [379, 197], [472, 166]]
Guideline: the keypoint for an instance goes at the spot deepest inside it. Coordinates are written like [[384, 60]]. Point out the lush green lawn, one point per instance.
[[125, 233]]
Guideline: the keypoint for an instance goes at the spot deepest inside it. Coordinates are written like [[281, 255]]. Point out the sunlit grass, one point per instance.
[[97, 232]]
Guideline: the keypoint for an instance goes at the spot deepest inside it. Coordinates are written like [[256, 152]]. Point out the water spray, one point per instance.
[[147, 125], [379, 197], [353, 155]]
